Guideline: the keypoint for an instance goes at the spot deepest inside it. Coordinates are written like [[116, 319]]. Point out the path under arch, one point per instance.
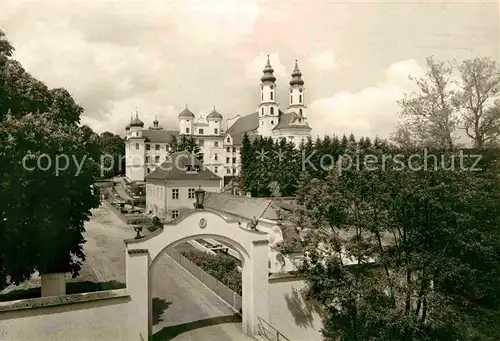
[[141, 254]]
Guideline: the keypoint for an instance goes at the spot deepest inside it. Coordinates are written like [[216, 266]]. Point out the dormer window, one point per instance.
[[190, 169]]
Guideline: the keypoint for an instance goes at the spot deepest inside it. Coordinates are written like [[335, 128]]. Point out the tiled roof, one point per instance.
[[160, 136], [245, 124], [240, 205], [287, 120], [174, 169]]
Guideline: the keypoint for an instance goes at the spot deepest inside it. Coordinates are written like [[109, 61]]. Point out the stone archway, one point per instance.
[[141, 255]]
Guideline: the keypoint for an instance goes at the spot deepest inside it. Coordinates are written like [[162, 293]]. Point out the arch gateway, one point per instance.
[[142, 254]]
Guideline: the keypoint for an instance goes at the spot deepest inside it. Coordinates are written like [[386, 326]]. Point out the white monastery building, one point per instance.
[[146, 149]]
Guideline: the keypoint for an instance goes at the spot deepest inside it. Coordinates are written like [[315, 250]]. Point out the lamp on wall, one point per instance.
[[200, 197]]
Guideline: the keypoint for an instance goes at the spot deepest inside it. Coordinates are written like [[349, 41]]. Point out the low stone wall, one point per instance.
[[217, 287], [99, 315]]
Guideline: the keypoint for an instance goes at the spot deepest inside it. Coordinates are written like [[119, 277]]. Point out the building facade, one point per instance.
[[147, 148], [170, 188]]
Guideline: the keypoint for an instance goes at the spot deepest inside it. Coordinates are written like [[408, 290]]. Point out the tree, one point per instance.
[[434, 237], [49, 165], [43, 208], [480, 83], [433, 116], [113, 149], [428, 115], [186, 144]]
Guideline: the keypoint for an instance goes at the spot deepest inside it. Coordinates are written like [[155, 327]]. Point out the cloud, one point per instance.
[[253, 70], [323, 60], [372, 111], [114, 56]]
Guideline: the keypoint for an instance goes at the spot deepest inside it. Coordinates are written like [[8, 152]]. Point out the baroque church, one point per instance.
[[146, 148]]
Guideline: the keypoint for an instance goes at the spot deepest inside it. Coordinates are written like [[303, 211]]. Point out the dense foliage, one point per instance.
[[113, 154], [48, 167], [222, 267], [265, 162], [401, 252], [186, 143]]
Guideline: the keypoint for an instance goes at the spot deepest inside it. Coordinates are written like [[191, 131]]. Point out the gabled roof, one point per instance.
[[240, 205], [175, 169], [286, 121], [160, 136], [245, 124]]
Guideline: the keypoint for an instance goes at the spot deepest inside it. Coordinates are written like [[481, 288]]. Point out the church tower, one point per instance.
[[297, 93], [268, 108]]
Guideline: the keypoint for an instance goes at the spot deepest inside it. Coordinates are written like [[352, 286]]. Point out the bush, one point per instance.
[[222, 267], [155, 224]]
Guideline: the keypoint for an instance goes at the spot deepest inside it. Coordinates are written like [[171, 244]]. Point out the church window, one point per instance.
[[137, 146], [262, 96], [216, 144], [147, 159], [147, 146], [200, 131], [228, 139], [149, 170], [300, 120], [216, 157], [300, 98], [271, 95], [157, 158], [272, 110], [201, 142], [215, 170], [272, 122], [227, 159], [300, 111], [228, 149], [291, 99], [157, 147], [187, 130], [234, 160], [234, 149], [262, 111], [228, 171], [216, 131]]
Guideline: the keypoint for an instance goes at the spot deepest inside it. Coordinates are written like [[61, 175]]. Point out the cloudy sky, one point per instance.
[[158, 56]]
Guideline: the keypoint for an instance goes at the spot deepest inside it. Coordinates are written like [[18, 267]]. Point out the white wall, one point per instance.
[[159, 198], [290, 313], [104, 319]]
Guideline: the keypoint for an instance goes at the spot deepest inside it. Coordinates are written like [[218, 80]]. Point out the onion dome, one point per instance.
[[136, 122], [296, 76], [214, 114], [186, 113], [268, 73]]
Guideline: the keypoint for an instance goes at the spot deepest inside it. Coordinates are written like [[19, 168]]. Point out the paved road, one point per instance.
[[183, 308]]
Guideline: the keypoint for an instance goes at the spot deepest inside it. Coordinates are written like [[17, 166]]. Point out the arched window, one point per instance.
[[272, 110], [300, 111], [291, 99], [262, 96], [271, 95], [262, 111], [272, 122], [300, 98]]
